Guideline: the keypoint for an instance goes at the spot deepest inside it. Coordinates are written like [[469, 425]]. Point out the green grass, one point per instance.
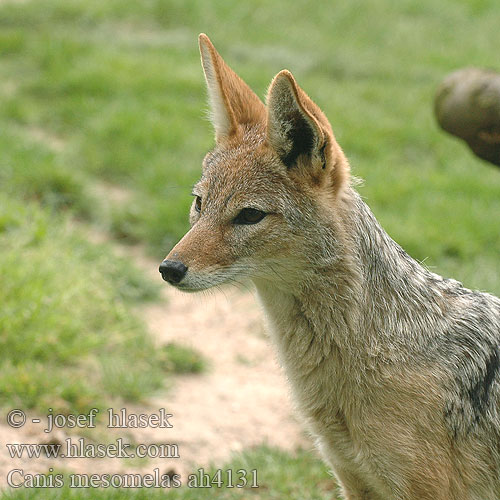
[[279, 475], [180, 359], [103, 122], [67, 338]]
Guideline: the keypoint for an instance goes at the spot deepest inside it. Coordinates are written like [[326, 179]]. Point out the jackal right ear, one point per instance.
[[293, 121], [232, 101]]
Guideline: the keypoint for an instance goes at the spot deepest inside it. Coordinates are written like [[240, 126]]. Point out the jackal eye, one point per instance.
[[249, 216], [197, 204]]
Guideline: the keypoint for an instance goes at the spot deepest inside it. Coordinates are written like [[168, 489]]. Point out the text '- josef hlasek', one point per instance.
[[120, 419]]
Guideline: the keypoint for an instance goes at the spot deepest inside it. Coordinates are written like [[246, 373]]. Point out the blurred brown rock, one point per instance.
[[467, 104]]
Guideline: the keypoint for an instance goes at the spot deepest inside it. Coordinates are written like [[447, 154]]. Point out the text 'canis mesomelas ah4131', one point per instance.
[[396, 370]]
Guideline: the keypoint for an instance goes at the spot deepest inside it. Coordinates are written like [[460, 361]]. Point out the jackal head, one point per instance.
[[269, 189]]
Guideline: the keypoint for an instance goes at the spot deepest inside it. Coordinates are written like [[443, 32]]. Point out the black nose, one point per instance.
[[173, 271]]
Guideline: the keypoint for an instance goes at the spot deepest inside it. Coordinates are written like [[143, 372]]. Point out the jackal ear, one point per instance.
[[292, 127], [232, 102]]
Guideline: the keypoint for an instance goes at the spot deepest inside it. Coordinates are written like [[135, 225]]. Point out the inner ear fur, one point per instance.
[[292, 127], [232, 102]]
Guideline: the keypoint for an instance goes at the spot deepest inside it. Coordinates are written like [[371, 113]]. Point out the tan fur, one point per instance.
[[233, 102], [394, 368]]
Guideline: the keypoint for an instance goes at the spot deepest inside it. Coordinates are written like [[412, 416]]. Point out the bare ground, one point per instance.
[[241, 401]]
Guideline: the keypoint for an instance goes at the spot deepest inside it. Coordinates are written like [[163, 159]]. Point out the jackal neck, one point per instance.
[[367, 306]]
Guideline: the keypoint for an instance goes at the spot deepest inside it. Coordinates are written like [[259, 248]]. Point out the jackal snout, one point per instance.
[[173, 271]]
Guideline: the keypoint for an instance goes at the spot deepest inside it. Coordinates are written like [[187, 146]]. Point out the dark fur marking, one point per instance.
[[480, 391], [301, 136], [476, 367], [323, 155]]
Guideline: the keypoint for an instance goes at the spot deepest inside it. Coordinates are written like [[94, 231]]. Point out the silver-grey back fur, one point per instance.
[[365, 312]]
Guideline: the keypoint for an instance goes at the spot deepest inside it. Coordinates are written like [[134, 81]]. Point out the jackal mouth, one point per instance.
[[200, 281], [184, 287]]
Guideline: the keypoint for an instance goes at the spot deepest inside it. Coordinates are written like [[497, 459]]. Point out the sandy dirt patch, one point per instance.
[[240, 402]]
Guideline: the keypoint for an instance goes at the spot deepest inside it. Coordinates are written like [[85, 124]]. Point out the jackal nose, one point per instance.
[[173, 271]]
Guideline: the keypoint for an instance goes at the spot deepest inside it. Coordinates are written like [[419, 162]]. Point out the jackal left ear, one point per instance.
[[292, 127], [232, 101]]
